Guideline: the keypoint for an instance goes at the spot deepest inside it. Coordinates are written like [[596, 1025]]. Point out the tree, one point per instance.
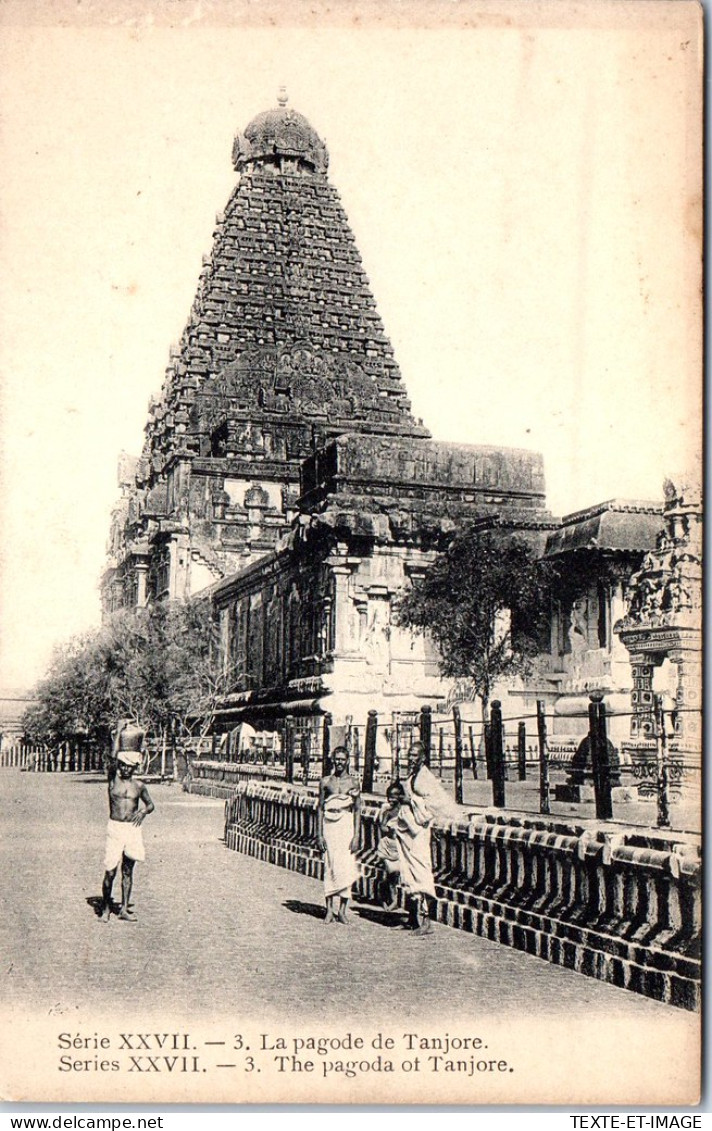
[[157, 665], [74, 697], [485, 603], [184, 670]]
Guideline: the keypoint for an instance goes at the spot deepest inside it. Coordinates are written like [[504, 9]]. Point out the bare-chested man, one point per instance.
[[339, 831], [124, 840]]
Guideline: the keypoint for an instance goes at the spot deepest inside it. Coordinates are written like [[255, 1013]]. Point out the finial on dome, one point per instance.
[[282, 96], [280, 133]]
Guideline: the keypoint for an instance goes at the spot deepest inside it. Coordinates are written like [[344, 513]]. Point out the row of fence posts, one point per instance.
[[494, 755], [18, 756], [56, 759], [599, 750], [494, 752], [495, 760]]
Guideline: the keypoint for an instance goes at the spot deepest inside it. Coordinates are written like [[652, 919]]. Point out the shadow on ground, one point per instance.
[[97, 905], [299, 907], [392, 919]]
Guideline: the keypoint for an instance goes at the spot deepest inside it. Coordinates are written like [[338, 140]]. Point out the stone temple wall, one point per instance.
[[317, 616]]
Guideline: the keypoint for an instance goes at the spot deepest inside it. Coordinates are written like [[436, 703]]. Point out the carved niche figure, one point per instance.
[[578, 626], [374, 643]]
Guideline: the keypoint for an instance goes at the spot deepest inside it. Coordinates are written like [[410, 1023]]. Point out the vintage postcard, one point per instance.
[[381, 656]]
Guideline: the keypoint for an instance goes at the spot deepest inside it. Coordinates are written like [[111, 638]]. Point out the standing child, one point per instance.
[[387, 849]]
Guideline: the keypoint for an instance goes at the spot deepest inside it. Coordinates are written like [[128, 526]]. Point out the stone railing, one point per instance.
[[623, 908], [220, 779]]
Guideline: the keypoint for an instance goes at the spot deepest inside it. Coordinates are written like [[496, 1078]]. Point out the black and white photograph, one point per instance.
[[351, 577]]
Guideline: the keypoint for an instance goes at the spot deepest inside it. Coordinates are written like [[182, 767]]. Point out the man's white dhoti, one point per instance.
[[123, 839], [340, 866], [426, 800]]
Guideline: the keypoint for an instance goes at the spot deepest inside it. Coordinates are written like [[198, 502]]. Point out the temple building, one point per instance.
[[309, 629], [597, 551], [284, 474], [13, 704]]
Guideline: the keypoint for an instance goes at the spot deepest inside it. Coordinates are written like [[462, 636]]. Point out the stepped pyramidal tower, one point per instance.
[[283, 350]]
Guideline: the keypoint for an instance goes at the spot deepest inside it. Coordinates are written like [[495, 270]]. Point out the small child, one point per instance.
[[387, 850]]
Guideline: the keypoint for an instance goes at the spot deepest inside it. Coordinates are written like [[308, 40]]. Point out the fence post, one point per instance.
[[522, 750], [544, 790], [426, 730], [487, 734], [598, 742], [661, 752], [369, 758], [497, 747], [356, 746], [325, 745], [473, 752], [395, 749], [288, 750], [457, 724]]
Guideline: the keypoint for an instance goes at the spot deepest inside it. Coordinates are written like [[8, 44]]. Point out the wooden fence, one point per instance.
[[500, 753], [44, 759]]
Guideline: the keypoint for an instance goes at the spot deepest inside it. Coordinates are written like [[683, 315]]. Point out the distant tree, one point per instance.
[[157, 665], [485, 604], [184, 670], [121, 657], [73, 698]]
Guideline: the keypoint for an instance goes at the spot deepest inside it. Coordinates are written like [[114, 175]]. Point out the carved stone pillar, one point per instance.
[[342, 568], [663, 622], [141, 584], [179, 567], [225, 657]]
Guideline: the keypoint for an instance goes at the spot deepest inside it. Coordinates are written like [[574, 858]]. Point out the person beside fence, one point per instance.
[[124, 840], [387, 850], [339, 831], [425, 799], [413, 836]]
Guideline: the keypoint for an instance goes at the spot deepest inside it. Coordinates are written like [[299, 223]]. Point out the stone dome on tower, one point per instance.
[[278, 135]]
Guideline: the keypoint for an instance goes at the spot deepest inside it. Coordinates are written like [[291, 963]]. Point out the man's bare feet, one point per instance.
[[329, 917], [126, 916], [105, 915], [425, 928], [342, 917]]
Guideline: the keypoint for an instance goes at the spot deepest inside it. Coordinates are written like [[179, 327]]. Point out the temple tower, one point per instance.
[[283, 350]]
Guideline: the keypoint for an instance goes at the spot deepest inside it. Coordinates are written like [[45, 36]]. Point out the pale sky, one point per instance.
[[524, 192]]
